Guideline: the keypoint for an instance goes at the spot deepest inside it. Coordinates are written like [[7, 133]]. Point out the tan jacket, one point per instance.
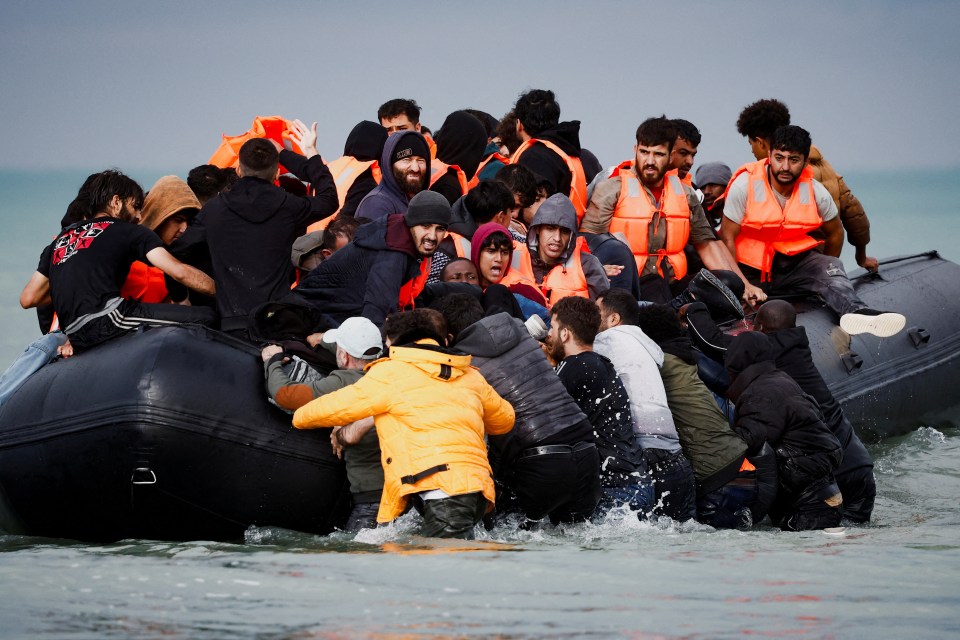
[[852, 216]]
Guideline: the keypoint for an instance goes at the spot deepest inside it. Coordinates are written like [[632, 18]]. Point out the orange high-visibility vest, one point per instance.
[[345, 171], [460, 244], [562, 281], [415, 286], [767, 229], [634, 213], [578, 179], [144, 284], [272, 127], [439, 169], [431, 145], [475, 180], [687, 179]]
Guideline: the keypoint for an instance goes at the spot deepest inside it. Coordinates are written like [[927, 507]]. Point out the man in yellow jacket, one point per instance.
[[431, 410]]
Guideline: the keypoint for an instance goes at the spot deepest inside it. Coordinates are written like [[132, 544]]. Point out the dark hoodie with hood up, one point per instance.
[[461, 141], [550, 167], [558, 210], [513, 363], [364, 278], [387, 198], [365, 143], [250, 230], [771, 407]]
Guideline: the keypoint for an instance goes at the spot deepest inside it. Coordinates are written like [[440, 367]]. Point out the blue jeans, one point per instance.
[[41, 352], [638, 497]]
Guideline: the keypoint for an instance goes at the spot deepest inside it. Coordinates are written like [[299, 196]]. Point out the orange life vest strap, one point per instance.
[[578, 179]]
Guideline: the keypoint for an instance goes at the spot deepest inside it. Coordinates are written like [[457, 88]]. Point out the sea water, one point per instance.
[[898, 577]]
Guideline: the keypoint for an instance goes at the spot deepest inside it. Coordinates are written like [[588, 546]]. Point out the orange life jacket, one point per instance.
[[144, 284], [460, 244], [415, 286], [562, 281], [439, 169], [475, 180], [634, 213], [272, 127], [687, 179], [345, 171], [432, 146], [767, 229], [578, 179]]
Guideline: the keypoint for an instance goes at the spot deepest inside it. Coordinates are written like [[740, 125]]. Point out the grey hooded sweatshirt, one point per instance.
[[558, 210]]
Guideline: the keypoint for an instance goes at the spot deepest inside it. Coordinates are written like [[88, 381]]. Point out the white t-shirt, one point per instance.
[[736, 202]]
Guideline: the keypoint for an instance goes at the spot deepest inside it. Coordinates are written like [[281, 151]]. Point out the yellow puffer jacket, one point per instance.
[[431, 409]]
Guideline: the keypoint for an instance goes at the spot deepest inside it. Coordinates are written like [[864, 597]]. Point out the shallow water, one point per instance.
[[897, 577]]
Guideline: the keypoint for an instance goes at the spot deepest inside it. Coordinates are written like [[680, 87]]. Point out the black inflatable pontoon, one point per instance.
[[167, 434]]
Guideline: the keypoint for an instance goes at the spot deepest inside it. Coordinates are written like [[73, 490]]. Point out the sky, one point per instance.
[[153, 85]]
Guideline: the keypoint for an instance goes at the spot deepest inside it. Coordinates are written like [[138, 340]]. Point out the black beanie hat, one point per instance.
[[412, 144], [427, 207]]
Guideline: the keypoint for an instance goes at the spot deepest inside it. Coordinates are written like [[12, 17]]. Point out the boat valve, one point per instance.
[[851, 362], [919, 337], [143, 475]]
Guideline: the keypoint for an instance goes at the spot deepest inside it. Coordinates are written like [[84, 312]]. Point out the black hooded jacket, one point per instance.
[[250, 230], [515, 366], [461, 141], [387, 198], [771, 407], [364, 278], [546, 164], [365, 143]]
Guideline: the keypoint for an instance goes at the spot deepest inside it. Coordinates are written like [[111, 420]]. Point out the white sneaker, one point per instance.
[[879, 323]]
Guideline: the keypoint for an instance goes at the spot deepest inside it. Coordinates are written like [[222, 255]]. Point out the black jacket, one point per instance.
[[771, 407], [365, 142], [364, 278], [250, 230], [546, 164], [515, 366]]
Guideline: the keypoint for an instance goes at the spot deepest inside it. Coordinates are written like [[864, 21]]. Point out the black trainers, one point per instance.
[[882, 324]]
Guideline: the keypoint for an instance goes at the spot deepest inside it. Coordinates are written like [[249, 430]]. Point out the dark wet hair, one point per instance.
[[409, 326], [792, 138], [687, 131], [259, 158], [537, 110], [460, 310], [656, 131], [346, 225], [399, 106], [106, 184], [79, 208], [659, 322], [521, 181], [487, 199], [762, 118], [622, 302], [776, 315], [507, 132], [497, 239], [208, 180], [580, 315]]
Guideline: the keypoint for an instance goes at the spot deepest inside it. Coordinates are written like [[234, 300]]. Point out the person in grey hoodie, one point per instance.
[[556, 259], [548, 462], [405, 166], [637, 360]]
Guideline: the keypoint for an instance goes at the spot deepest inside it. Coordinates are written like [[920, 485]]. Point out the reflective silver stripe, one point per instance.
[[759, 191], [633, 186], [349, 171], [806, 192], [675, 183]]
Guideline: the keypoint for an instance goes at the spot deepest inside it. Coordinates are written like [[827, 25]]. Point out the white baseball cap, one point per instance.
[[357, 336]]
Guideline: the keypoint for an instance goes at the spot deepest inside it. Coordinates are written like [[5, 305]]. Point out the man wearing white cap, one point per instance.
[[358, 343]]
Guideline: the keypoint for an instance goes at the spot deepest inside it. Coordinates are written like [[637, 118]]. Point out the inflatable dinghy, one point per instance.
[[166, 433]]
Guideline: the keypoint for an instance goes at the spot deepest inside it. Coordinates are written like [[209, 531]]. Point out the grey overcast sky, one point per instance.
[[152, 85]]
